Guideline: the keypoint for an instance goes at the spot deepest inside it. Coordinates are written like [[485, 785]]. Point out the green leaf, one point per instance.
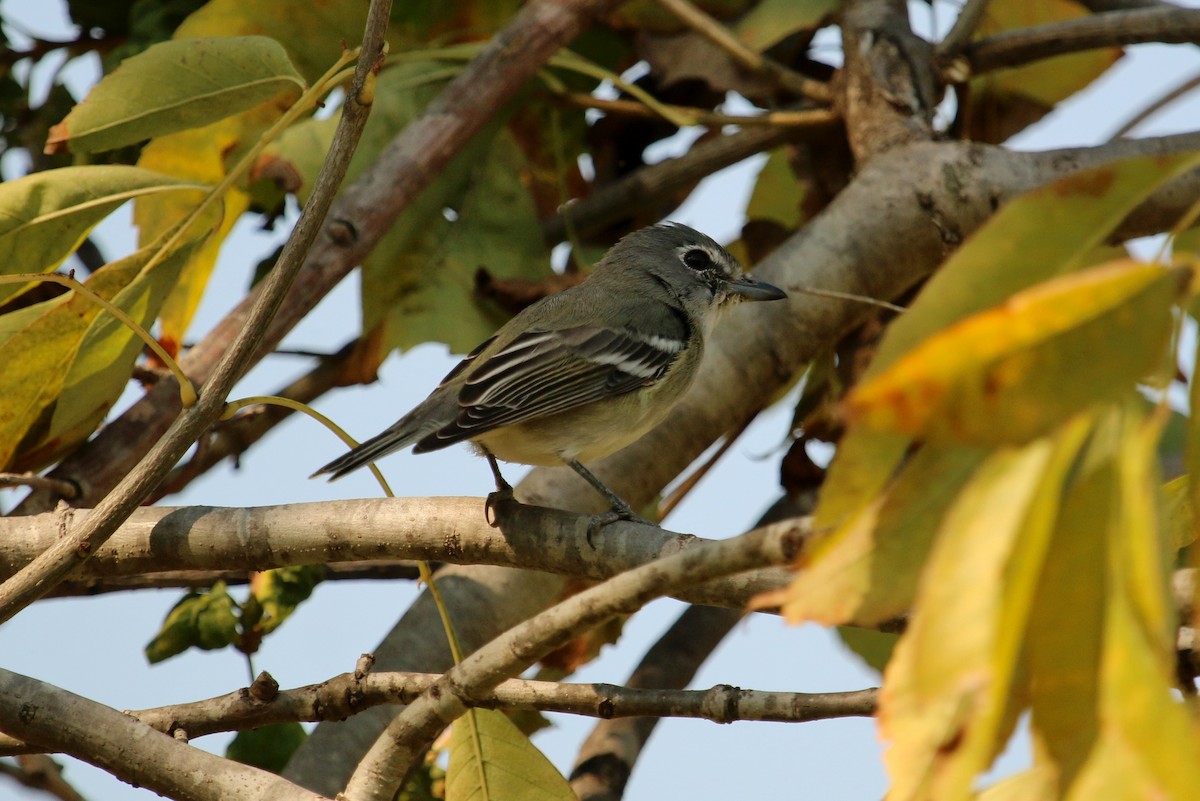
[[428, 783], [491, 759], [778, 196], [45, 216], [207, 621], [873, 647], [1012, 373], [268, 747], [419, 282], [176, 85], [280, 591]]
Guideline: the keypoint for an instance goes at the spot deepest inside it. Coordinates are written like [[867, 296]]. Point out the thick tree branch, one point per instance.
[[362, 215], [1164, 24], [61, 721], [887, 84], [347, 694], [40, 575], [399, 749], [159, 539]]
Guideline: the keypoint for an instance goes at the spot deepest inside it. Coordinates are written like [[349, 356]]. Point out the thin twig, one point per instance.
[[1165, 24], [348, 694], [58, 720], [64, 488], [610, 752], [963, 29], [1155, 106], [648, 185], [231, 438], [376, 570], [712, 30], [805, 118], [44, 572], [671, 662]]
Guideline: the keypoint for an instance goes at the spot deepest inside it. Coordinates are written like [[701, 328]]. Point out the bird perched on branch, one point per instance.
[[582, 373]]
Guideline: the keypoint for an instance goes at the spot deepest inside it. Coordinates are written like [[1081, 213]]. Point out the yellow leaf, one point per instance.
[[1035, 784], [866, 571], [1014, 372], [44, 216], [313, 35], [1100, 640], [173, 86], [491, 759], [949, 699], [66, 360], [199, 155], [1009, 254]]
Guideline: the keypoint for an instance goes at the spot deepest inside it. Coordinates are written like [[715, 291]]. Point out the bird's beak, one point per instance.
[[752, 289]]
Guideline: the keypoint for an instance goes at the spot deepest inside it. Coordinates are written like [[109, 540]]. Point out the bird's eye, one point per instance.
[[697, 259]]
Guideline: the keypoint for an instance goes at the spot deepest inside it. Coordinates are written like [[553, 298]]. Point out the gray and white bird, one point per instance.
[[582, 373]]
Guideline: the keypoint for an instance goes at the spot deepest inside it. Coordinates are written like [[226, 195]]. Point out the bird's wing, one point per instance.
[[540, 373]]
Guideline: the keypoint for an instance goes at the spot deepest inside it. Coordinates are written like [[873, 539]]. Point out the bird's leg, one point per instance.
[[619, 509], [504, 490]]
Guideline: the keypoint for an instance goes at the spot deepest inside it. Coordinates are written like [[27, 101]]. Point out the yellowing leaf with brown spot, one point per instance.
[[1012, 373], [1009, 254]]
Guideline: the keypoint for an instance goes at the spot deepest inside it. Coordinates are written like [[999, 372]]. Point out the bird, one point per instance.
[[582, 373]]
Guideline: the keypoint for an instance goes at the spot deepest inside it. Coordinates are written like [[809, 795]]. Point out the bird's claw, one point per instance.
[[494, 499]]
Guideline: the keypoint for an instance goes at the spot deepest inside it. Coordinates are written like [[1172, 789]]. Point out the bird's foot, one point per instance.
[[619, 511], [503, 493]]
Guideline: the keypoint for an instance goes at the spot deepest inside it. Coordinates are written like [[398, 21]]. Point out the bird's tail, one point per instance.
[[399, 436]]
